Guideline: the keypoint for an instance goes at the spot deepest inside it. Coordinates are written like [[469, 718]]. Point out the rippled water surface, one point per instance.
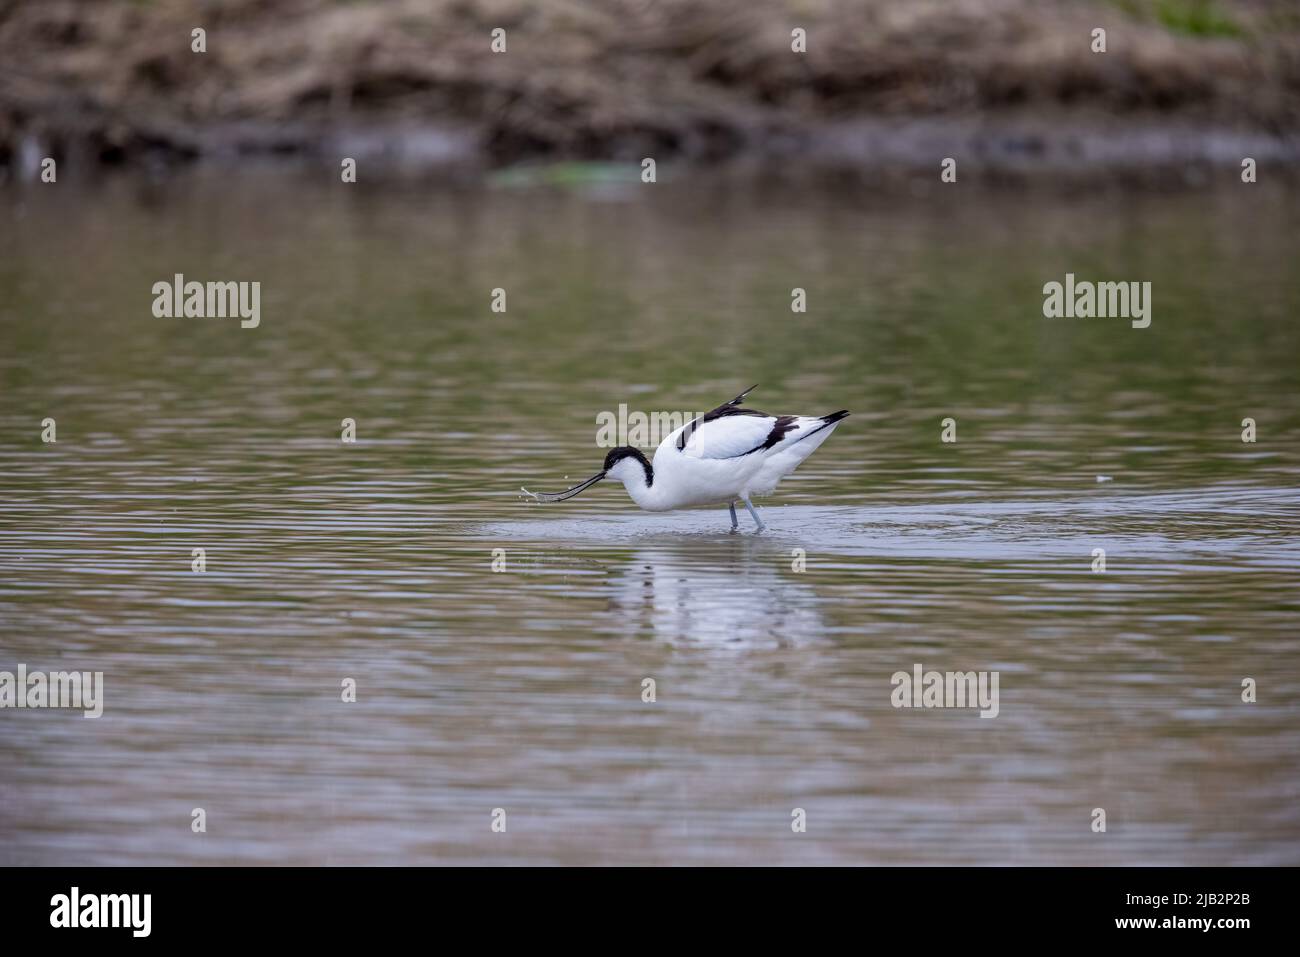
[[522, 689]]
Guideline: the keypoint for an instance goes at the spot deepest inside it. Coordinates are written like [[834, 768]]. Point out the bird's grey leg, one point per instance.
[[731, 507], [754, 514]]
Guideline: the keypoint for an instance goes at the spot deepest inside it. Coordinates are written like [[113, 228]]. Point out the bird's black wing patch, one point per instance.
[[786, 423], [782, 425], [727, 408]]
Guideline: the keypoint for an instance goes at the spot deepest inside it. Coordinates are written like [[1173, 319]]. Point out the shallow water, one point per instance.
[[521, 689]]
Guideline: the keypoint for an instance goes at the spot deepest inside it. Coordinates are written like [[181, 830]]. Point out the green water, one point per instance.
[[522, 689]]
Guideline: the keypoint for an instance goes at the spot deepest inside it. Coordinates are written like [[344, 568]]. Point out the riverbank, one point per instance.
[[1007, 85]]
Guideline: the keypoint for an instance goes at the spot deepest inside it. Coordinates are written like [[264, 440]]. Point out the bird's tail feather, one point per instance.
[[826, 422]]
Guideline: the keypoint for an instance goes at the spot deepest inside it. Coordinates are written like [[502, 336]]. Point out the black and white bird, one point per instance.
[[724, 457]]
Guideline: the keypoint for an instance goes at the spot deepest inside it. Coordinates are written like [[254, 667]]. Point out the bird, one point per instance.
[[723, 457]]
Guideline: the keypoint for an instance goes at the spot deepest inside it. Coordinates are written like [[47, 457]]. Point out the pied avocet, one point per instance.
[[721, 458]]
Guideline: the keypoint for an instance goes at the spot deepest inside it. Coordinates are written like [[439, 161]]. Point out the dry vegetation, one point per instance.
[[117, 81]]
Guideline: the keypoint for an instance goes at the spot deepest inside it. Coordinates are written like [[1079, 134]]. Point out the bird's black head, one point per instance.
[[612, 460], [620, 453], [627, 452]]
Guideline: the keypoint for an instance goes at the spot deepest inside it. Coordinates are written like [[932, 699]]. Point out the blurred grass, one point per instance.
[[1192, 18], [1198, 18]]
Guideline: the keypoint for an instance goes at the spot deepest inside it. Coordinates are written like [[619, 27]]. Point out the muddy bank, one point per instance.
[[1011, 85]]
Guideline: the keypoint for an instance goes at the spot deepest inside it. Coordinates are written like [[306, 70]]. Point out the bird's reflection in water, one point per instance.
[[740, 597]]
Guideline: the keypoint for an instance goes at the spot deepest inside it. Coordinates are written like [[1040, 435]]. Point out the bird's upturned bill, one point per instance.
[[568, 493]]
